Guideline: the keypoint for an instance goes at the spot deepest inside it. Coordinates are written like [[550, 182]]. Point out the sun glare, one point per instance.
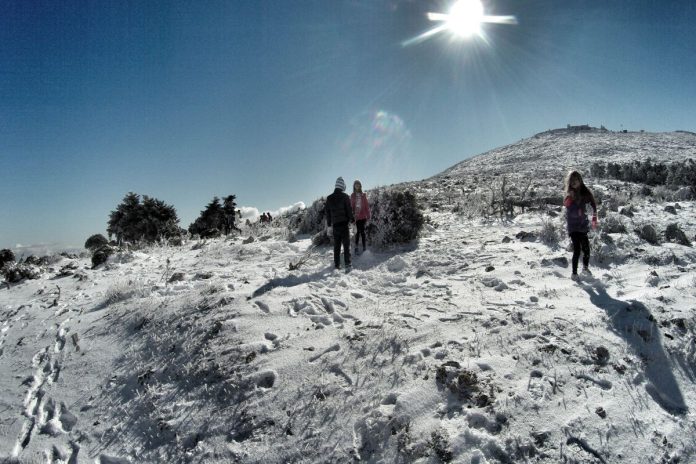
[[465, 18], [463, 21]]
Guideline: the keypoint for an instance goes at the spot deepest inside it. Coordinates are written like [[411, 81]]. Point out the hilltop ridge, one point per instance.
[[553, 152]]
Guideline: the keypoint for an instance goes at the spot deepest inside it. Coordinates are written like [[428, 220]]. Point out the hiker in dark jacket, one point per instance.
[[576, 200], [339, 214]]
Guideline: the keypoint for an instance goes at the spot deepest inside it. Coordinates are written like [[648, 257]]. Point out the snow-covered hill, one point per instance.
[[471, 345], [554, 152]]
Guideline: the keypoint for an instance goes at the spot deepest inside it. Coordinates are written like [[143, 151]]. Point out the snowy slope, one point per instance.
[[469, 345], [553, 152]]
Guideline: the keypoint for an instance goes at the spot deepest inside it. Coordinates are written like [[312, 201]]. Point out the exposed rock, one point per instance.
[[177, 277], [526, 236], [600, 356], [675, 234], [36, 261], [561, 261], [101, 255], [68, 269], [626, 211], [649, 234], [246, 241]]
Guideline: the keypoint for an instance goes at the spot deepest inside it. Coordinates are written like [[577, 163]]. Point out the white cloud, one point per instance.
[[295, 207], [252, 213], [249, 212], [43, 249]]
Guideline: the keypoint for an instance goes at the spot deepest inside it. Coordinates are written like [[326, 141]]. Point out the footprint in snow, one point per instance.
[[340, 373], [263, 306], [107, 459], [335, 347], [328, 305], [273, 338], [59, 456]]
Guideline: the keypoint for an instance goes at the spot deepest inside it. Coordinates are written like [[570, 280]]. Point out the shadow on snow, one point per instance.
[[633, 321]]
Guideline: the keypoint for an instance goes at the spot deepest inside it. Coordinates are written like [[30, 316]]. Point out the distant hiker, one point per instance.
[[361, 211], [269, 218], [263, 218], [339, 214], [577, 197]]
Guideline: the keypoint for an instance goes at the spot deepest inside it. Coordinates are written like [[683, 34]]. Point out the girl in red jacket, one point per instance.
[[361, 211]]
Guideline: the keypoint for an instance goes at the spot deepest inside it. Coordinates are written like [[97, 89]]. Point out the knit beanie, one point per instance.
[[340, 184]]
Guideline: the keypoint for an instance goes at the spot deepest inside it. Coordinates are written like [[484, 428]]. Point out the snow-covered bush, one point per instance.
[[684, 194], [95, 242], [312, 219], [674, 233], [550, 233], [16, 272], [6, 256], [615, 201], [124, 290], [396, 217], [472, 205], [662, 193], [612, 224], [649, 234]]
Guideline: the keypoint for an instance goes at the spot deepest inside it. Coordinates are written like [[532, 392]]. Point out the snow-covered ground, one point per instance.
[[470, 345]]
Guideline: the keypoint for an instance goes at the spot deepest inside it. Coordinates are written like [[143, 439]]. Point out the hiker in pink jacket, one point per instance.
[[361, 211]]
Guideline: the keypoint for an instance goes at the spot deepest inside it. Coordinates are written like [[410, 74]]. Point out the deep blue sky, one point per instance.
[[272, 100]]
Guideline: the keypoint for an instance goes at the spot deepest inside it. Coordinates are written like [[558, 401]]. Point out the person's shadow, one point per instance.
[[633, 321]]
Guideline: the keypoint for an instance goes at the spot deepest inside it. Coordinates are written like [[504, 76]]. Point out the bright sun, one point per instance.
[[465, 18], [463, 21]]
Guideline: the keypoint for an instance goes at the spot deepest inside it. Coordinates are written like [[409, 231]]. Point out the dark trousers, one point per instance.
[[580, 242], [360, 223], [341, 236]]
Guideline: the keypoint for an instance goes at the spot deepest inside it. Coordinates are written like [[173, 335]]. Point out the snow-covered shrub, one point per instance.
[[674, 233], [36, 261], [95, 242], [615, 200], [16, 272], [472, 206], [312, 219], [6, 256], [662, 193], [550, 233], [684, 194], [646, 191], [612, 224], [649, 234], [124, 290], [396, 216], [627, 211]]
